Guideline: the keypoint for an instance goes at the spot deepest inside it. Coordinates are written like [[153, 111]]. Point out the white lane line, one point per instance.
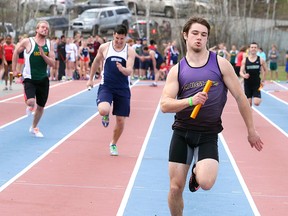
[[45, 153], [22, 95], [137, 166], [54, 146], [239, 176]]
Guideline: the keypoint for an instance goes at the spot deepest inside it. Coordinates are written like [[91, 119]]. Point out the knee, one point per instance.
[[257, 102], [176, 190], [103, 112], [120, 123], [207, 183], [40, 108], [30, 102]]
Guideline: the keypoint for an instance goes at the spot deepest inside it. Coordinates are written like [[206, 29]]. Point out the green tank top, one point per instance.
[[37, 63]]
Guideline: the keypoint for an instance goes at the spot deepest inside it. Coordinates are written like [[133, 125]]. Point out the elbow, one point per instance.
[[163, 107], [52, 63]]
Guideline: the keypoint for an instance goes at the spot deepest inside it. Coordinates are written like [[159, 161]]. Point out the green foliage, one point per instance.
[[281, 73]]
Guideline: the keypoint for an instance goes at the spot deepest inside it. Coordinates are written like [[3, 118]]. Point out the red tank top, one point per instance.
[[8, 49]]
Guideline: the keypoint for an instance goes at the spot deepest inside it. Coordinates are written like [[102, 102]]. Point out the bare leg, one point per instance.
[[37, 116], [118, 129], [178, 174]]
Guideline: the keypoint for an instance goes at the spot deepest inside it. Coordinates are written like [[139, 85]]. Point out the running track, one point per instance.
[[70, 172]]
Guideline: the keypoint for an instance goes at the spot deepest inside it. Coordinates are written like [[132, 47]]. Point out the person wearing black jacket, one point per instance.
[[62, 57]]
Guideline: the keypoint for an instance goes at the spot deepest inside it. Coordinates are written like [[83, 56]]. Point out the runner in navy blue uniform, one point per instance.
[[118, 60], [197, 138]]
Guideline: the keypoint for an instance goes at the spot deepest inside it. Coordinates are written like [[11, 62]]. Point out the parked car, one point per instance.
[[57, 23], [7, 29], [47, 5], [158, 32], [205, 6], [170, 8], [80, 7], [98, 20]]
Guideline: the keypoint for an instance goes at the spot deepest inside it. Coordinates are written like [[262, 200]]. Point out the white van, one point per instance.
[[7, 29], [100, 20], [171, 8]]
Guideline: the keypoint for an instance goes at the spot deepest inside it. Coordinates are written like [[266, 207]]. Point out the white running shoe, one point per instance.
[[29, 110], [36, 132], [113, 150]]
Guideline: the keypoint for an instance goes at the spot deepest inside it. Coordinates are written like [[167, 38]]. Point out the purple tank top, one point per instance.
[[192, 80]]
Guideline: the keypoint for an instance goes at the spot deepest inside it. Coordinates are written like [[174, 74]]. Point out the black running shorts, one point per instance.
[[186, 145], [38, 89]]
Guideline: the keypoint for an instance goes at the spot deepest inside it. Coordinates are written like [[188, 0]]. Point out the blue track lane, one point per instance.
[[18, 149], [150, 191], [275, 110]]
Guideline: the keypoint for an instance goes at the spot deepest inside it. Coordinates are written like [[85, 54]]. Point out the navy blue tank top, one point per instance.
[[112, 77], [191, 81]]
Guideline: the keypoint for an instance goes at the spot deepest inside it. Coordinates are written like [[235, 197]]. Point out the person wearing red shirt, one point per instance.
[[239, 58], [1, 58], [8, 49]]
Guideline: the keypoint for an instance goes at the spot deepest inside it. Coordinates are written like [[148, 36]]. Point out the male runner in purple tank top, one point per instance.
[[198, 137]]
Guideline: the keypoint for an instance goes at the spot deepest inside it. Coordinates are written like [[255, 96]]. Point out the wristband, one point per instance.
[[190, 101]]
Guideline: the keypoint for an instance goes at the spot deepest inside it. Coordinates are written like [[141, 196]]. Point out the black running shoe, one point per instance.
[[193, 185]]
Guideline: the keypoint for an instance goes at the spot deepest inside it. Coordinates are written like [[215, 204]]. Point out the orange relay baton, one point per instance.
[[198, 106]]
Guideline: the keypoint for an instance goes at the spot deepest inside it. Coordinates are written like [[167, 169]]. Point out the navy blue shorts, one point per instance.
[[119, 97], [186, 145], [137, 63]]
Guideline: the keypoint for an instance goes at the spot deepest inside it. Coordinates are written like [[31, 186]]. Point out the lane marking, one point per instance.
[[27, 168], [239, 176], [280, 100], [272, 123], [22, 95], [51, 105], [46, 153], [281, 85], [137, 165]]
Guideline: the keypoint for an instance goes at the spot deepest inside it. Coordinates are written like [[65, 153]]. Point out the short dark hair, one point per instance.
[[254, 43], [193, 20], [145, 48], [121, 29], [152, 42]]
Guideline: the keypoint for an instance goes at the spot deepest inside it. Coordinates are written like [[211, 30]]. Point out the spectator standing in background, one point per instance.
[[61, 57], [71, 56], [286, 67], [54, 69], [1, 58], [233, 55], [261, 53], [137, 63], [273, 56], [8, 49], [241, 54]]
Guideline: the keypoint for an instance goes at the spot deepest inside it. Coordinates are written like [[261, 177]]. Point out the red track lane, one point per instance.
[[283, 95], [79, 177], [58, 91], [265, 172]]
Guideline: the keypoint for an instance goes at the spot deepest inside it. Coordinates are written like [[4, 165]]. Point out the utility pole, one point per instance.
[[148, 20]]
